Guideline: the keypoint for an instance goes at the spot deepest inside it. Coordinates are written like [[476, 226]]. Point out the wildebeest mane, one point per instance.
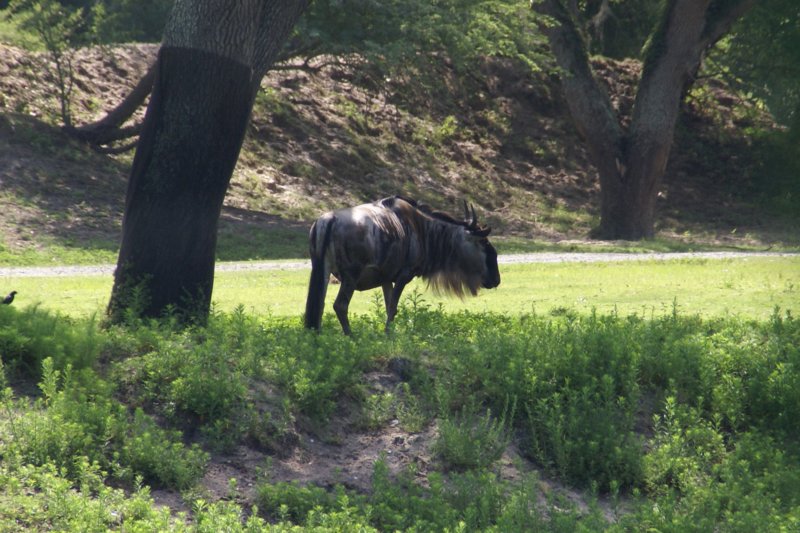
[[444, 257], [426, 209]]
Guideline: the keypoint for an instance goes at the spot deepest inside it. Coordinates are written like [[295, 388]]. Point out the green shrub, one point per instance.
[[684, 451], [378, 410], [72, 421], [752, 487], [29, 336], [471, 440], [292, 501], [471, 501], [39, 498], [692, 421], [315, 370]]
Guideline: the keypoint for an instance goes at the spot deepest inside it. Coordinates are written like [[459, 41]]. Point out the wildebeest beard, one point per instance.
[[444, 269]]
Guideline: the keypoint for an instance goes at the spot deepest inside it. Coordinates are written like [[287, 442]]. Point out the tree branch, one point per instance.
[[589, 105], [271, 36], [721, 16], [114, 150], [108, 129]]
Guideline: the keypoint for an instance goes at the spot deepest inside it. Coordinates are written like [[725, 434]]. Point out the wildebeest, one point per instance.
[[387, 244]]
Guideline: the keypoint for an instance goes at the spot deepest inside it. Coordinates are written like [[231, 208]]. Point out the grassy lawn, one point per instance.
[[747, 287]]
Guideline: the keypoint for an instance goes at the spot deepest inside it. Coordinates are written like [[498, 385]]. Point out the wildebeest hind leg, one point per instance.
[[341, 304]]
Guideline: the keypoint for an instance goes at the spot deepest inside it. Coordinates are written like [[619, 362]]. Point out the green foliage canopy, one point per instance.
[[761, 58], [413, 38], [76, 23]]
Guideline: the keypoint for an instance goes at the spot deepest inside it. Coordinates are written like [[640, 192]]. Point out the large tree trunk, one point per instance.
[[674, 57], [631, 163], [208, 70], [178, 181]]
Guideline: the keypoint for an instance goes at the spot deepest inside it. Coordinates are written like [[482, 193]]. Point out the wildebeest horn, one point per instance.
[[473, 221]]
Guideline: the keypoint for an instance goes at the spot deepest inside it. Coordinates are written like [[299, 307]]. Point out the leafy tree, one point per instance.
[[400, 40], [761, 58], [616, 28], [631, 159], [210, 65], [60, 29], [113, 21], [119, 21], [411, 39]]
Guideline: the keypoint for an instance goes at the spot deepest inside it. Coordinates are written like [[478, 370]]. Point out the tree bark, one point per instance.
[[209, 67], [631, 162], [674, 57]]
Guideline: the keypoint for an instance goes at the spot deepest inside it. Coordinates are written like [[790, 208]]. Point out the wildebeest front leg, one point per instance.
[[391, 310], [394, 299], [341, 304]]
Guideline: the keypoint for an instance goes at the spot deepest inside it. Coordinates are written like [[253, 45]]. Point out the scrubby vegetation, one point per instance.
[[672, 422]]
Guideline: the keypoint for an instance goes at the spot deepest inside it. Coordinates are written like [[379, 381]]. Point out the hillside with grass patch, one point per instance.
[[558, 421], [332, 133]]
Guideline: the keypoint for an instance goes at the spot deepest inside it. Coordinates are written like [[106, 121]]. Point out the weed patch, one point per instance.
[[29, 336], [77, 422], [688, 420]]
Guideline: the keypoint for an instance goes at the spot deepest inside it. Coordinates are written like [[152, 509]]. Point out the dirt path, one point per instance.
[[546, 257]]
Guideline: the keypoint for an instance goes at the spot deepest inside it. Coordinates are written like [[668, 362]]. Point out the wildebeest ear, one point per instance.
[[481, 232]]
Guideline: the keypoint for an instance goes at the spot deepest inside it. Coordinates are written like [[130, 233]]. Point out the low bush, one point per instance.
[[690, 421], [72, 424], [30, 335], [470, 440]]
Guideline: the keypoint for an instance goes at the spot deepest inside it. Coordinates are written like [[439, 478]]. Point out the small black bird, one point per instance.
[[9, 298]]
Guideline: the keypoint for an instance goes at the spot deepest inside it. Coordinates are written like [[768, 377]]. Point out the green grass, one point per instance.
[[243, 244], [750, 287], [517, 245], [681, 423], [11, 34], [58, 254]]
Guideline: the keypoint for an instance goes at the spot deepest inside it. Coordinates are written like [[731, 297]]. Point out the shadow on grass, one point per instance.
[[245, 235], [63, 203]]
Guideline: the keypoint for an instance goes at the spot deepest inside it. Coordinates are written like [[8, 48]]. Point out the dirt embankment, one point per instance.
[[330, 137]]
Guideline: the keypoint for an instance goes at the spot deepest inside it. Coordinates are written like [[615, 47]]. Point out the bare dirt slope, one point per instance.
[[331, 136]]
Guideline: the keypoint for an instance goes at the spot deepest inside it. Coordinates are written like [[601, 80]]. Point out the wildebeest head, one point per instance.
[[474, 263], [490, 274]]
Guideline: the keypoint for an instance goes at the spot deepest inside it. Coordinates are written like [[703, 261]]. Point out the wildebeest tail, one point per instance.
[[318, 284]]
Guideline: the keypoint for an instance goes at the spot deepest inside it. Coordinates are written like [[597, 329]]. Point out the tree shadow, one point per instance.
[[56, 191], [245, 235]]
